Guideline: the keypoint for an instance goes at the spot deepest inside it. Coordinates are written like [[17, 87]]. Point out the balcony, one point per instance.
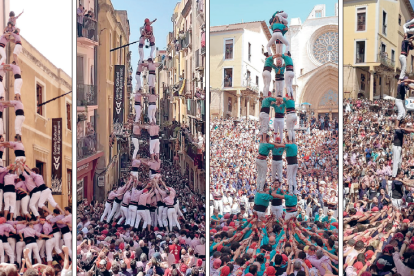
[[178, 88], [187, 8], [249, 85], [200, 11], [199, 61], [86, 95], [86, 146], [197, 109], [186, 40], [385, 61], [89, 32], [129, 89], [203, 51]]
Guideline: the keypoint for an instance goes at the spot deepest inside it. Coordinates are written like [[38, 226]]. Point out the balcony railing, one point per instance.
[[384, 60], [86, 95], [251, 86], [86, 146], [203, 51], [199, 60], [89, 29], [186, 42]]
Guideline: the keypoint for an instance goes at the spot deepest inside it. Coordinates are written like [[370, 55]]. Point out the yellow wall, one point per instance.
[[217, 62]]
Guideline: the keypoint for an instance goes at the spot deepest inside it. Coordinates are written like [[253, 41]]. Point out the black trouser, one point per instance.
[[80, 26]]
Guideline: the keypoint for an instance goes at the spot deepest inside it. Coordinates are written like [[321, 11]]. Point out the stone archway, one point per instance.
[[321, 89]]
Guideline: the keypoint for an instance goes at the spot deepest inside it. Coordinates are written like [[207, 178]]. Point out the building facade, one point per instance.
[[236, 66], [373, 46], [42, 81], [315, 54], [113, 31], [181, 86]]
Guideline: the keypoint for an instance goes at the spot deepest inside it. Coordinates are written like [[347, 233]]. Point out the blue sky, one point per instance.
[[236, 11], [138, 10]]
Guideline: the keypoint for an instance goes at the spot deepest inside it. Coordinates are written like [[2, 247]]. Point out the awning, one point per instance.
[[182, 88]]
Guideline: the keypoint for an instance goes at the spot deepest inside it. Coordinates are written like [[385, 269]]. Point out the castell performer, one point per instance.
[[279, 30], [146, 33], [267, 75]]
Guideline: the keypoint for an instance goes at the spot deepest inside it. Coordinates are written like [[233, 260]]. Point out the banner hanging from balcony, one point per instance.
[[57, 156], [119, 86]]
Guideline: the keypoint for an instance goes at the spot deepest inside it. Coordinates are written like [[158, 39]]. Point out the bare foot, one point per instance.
[[65, 249], [26, 252]]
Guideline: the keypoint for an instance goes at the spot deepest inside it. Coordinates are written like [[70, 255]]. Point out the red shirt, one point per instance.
[[176, 250]]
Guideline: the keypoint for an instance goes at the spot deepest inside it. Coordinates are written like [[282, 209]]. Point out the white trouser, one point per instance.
[[138, 219], [10, 201], [20, 159], [118, 213], [132, 213], [18, 123], [282, 17], [172, 218], [24, 205], [401, 109], [46, 195], [136, 147], [12, 242], [289, 76], [135, 174], [6, 248], [33, 247], [152, 51], [33, 204], [1, 200], [1, 122], [277, 168], [115, 207], [165, 217], [261, 167], [403, 62], [291, 177], [67, 239], [177, 209], [18, 83], [291, 119], [280, 84], [260, 215], [151, 80], [56, 245], [160, 213], [3, 55], [218, 204], [267, 79], [1, 89], [154, 146], [141, 54], [138, 79], [143, 215], [124, 215], [18, 49], [397, 203], [147, 212], [154, 218], [277, 211], [264, 122], [279, 125], [41, 244], [275, 36], [19, 251], [17, 209], [106, 211], [396, 159], [279, 48], [151, 113], [290, 215], [137, 112]]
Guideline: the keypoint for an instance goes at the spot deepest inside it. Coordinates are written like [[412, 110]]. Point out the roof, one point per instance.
[[246, 25], [409, 6]]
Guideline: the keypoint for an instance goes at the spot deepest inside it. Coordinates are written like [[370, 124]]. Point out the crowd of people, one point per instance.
[[152, 223], [378, 188]]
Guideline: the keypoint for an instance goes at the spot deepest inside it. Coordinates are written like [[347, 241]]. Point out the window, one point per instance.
[[249, 51], [318, 14], [68, 116], [39, 99], [257, 80], [360, 52], [41, 166], [228, 77], [392, 55], [301, 71], [229, 49], [361, 19], [399, 19], [79, 191], [248, 77], [383, 48], [384, 23]]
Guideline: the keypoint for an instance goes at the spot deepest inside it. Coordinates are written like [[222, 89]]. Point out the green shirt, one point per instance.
[[266, 101], [289, 103], [279, 108], [291, 150], [265, 148], [288, 60], [262, 199], [291, 200], [280, 70], [278, 151], [269, 62]]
